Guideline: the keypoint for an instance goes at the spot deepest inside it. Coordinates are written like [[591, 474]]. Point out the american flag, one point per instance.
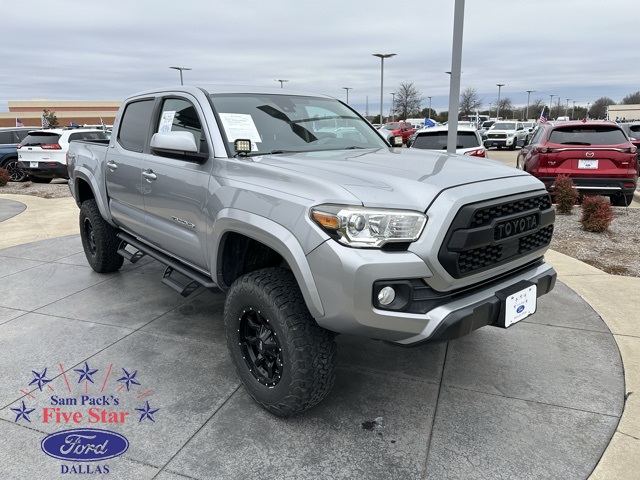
[[543, 116], [19, 123]]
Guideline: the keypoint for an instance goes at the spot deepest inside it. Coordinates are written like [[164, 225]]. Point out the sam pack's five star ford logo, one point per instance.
[[86, 398]]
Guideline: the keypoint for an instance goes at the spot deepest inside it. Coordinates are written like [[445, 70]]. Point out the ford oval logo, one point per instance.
[[520, 309], [84, 445]]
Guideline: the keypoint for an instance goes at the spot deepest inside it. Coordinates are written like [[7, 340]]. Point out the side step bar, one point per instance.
[[184, 288]]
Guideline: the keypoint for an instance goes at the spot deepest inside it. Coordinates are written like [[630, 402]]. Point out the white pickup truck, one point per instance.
[[313, 225]]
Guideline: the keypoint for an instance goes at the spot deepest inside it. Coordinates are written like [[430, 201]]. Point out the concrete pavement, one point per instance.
[[543, 399]]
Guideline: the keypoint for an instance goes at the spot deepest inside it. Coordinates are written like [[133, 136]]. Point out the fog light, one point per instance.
[[386, 295]]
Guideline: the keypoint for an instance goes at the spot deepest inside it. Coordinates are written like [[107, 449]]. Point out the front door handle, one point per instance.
[[149, 175], [111, 165]]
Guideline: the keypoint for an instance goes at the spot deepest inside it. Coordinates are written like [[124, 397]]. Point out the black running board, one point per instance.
[[184, 288]]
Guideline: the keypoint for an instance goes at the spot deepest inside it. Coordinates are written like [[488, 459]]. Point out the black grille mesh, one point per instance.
[[486, 215], [470, 227]]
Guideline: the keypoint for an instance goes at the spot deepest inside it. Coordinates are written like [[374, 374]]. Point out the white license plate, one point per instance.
[[588, 164], [33, 164], [520, 305]]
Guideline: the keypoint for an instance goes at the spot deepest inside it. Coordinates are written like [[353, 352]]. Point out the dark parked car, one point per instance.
[[9, 140], [597, 155]]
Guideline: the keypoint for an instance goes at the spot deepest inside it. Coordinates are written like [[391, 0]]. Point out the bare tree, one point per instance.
[[407, 101], [469, 101], [535, 108], [599, 107], [631, 99]]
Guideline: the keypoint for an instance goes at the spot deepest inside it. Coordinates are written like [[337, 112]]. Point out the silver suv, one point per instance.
[[508, 134]]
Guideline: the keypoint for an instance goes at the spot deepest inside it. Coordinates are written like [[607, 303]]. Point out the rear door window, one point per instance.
[[134, 126]]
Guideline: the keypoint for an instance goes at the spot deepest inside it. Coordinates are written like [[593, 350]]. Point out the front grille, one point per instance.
[[498, 136], [487, 234]]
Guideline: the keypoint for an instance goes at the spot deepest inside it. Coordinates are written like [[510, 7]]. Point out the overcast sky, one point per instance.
[[84, 50]]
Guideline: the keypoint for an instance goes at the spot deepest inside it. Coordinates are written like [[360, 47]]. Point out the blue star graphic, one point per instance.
[[129, 379], [147, 412], [86, 373], [40, 378], [23, 412]]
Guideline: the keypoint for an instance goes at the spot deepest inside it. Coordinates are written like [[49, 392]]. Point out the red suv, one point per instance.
[[597, 155]]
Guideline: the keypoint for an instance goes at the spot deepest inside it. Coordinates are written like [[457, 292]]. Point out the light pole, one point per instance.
[[180, 69], [490, 109], [573, 109], [550, 105], [382, 56], [566, 109], [393, 106], [529, 92], [281, 82], [347, 89], [429, 107], [499, 85]]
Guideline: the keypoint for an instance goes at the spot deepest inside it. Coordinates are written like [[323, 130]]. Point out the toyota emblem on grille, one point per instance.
[[589, 154]]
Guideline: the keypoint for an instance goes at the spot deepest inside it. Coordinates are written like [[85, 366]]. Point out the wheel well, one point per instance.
[[83, 191], [239, 254], [7, 159]]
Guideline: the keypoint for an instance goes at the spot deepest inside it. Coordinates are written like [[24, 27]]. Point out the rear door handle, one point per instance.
[[111, 165], [149, 175]]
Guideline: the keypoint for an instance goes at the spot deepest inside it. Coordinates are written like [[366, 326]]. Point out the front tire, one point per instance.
[[99, 239], [285, 360]]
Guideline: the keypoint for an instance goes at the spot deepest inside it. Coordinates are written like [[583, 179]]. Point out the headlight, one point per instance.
[[368, 227]]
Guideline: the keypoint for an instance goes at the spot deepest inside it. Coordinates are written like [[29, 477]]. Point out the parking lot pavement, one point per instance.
[[541, 399]]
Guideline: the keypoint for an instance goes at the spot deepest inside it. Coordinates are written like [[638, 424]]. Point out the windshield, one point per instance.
[[277, 123], [504, 126], [438, 140]]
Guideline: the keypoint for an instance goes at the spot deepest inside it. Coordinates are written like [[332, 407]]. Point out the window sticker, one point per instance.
[[166, 121], [240, 125]]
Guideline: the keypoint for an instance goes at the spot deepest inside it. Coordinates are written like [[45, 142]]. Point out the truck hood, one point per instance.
[[398, 177]]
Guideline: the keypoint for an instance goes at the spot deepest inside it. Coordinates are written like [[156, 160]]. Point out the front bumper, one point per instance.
[[499, 142], [349, 302], [44, 169]]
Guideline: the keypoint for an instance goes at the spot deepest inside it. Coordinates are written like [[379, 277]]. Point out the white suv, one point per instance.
[[506, 134], [42, 154]]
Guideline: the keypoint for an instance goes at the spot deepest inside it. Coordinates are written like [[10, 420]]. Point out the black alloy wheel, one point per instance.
[[15, 174], [260, 347]]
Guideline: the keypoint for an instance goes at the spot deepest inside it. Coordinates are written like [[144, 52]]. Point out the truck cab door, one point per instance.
[[176, 185], [123, 169]]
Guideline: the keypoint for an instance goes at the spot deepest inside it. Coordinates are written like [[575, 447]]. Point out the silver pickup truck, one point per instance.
[[297, 208]]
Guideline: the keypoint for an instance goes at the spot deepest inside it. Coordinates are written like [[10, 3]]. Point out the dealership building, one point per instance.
[[29, 112]]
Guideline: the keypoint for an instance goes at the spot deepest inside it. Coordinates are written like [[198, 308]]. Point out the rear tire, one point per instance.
[[99, 239], [285, 360], [15, 175], [621, 200], [39, 179]]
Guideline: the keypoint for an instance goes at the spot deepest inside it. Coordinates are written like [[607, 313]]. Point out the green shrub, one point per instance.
[[4, 177], [597, 214], [565, 194]]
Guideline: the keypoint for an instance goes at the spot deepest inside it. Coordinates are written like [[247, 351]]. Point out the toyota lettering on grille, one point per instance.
[[516, 226]]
